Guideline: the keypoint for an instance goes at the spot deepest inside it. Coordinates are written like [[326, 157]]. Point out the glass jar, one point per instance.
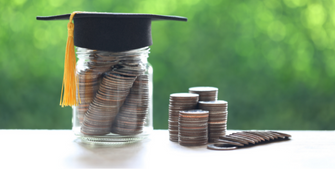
[[115, 95]]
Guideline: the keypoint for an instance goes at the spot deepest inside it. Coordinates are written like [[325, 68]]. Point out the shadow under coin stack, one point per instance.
[[193, 127], [179, 102], [217, 121], [205, 93], [112, 92], [132, 115]]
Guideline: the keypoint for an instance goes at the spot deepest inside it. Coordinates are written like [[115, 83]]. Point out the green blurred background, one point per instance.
[[272, 60]]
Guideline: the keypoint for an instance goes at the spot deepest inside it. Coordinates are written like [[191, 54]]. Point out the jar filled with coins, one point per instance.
[[115, 91], [110, 85]]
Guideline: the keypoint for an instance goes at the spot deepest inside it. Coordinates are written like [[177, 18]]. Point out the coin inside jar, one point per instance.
[[115, 86], [132, 114]]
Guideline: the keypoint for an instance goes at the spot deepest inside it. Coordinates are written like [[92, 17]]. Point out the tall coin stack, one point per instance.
[[101, 113], [193, 127], [131, 117], [179, 102], [88, 87], [205, 93], [90, 77], [217, 121]]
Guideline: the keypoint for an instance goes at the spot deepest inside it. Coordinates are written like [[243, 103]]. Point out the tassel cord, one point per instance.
[[70, 80]]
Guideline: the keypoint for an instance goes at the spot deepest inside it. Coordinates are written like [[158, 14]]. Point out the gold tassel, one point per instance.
[[70, 80]]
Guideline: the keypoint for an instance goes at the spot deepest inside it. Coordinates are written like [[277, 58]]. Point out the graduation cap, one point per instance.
[[115, 32], [112, 31]]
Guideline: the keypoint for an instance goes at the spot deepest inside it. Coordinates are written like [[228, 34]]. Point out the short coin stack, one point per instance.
[[217, 122], [193, 127], [112, 92], [179, 102], [131, 117], [205, 93]]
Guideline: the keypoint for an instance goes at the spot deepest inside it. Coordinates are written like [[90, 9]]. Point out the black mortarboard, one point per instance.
[[112, 31]]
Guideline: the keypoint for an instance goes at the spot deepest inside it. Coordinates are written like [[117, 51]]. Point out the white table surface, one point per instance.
[[60, 149]]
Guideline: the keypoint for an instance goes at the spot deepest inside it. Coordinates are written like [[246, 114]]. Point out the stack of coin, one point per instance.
[[179, 102], [112, 92], [205, 93], [88, 86], [132, 115], [106, 82], [193, 127], [130, 64], [217, 121], [89, 78], [101, 63]]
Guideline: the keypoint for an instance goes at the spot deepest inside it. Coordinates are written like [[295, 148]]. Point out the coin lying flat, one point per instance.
[[282, 134], [229, 142], [182, 96], [248, 136], [229, 138], [264, 135], [221, 147]]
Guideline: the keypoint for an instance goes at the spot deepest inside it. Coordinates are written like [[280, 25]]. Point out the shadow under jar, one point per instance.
[[115, 94]]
